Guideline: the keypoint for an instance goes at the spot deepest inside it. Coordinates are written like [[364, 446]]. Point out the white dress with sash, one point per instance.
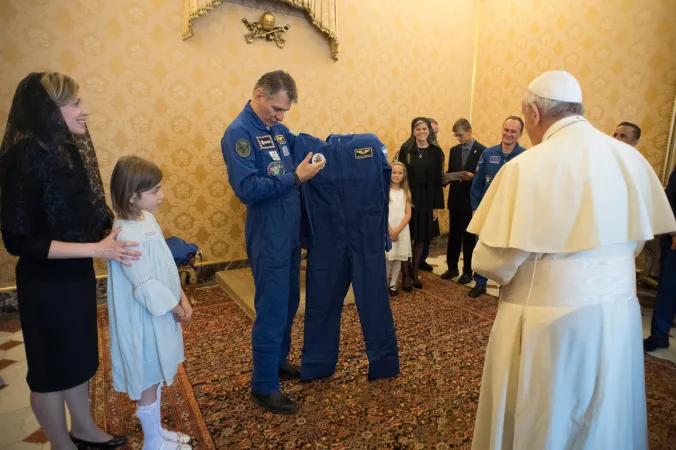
[[564, 364]]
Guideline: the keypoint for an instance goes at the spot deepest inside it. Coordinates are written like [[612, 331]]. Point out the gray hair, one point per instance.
[[273, 82], [554, 109]]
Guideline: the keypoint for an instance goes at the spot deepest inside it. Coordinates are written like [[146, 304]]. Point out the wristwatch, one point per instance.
[[296, 180]]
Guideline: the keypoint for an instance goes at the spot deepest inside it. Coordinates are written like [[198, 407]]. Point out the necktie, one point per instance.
[[465, 154]]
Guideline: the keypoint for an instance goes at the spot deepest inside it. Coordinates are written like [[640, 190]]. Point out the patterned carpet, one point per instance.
[[442, 337]]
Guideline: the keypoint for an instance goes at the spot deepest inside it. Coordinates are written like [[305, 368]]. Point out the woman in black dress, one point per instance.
[[54, 217], [424, 162]]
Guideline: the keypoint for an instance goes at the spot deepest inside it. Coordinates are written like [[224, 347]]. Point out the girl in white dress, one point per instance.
[[399, 216], [146, 304]]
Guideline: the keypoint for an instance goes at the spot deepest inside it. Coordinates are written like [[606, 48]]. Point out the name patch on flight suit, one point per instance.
[[362, 153], [495, 160], [276, 169], [265, 142], [280, 138], [243, 148], [274, 155]]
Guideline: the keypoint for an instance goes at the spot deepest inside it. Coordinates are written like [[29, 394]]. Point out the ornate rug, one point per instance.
[[442, 338]]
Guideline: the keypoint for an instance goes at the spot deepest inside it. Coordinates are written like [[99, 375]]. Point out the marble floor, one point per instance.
[[440, 266], [19, 430]]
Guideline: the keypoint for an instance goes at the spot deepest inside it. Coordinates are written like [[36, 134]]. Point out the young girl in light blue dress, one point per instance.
[[146, 304]]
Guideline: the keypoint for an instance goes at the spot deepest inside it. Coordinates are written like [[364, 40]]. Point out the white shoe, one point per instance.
[[173, 445], [175, 436]]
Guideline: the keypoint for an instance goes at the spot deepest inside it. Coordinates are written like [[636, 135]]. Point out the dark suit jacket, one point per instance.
[[458, 195]]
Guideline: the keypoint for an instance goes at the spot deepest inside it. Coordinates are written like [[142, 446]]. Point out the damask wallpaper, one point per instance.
[[151, 94], [623, 52]]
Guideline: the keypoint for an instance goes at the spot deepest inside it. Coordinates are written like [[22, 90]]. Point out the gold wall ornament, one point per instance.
[[323, 14], [265, 29]]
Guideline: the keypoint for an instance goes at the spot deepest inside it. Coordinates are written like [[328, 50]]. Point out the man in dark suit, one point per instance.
[[665, 304], [462, 163]]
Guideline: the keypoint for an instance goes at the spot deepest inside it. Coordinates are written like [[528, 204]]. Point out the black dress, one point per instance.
[[51, 190], [424, 168]]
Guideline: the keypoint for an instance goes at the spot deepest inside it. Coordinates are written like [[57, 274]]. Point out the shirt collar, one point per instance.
[[468, 145], [515, 151], [562, 124], [257, 122]]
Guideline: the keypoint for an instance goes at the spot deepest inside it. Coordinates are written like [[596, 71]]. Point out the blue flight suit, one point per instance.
[[260, 167], [345, 233], [492, 159]]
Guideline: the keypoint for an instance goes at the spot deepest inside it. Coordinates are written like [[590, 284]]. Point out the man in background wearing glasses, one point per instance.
[[462, 163]]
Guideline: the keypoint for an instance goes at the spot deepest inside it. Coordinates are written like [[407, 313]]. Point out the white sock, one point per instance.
[[149, 416], [396, 267], [166, 434]]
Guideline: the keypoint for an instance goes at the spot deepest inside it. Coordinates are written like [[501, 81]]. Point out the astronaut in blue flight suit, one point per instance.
[[346, 236], [491, 161], [259, 154]]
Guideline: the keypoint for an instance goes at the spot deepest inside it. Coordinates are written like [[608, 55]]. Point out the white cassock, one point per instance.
[[559, 229]]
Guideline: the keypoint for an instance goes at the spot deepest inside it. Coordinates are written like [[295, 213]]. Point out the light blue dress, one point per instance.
[[146, 342]]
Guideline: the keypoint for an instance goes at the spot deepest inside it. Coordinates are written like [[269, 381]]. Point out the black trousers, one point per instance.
[[665, 305], [459, 237]]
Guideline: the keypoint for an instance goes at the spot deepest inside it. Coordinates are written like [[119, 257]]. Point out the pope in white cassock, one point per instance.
[[559, 229]]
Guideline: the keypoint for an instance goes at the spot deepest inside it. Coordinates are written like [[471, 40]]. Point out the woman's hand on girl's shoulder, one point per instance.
[[112, 249]]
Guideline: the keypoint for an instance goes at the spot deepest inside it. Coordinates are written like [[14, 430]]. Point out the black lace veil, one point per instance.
[[64, 166]]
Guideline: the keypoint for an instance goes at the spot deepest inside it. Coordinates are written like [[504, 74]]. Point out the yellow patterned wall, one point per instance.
[[151, 94], [623, 52]]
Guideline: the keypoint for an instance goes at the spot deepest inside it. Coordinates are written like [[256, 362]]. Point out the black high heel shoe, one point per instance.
[[115, 442]]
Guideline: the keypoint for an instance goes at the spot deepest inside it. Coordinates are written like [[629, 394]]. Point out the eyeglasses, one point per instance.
[[459, 135]]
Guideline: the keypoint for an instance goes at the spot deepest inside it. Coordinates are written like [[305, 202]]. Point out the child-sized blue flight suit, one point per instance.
[[345, 233], [261, 169]]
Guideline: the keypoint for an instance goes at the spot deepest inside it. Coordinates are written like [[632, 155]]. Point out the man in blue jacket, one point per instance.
[[491, 161], [259, 154], [665, 304]]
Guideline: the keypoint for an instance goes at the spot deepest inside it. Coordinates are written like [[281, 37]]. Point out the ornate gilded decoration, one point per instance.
[[265, 29], [670, 156], [322, 13]]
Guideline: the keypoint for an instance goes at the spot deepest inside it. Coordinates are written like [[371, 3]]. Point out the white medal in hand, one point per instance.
[[317, 158]]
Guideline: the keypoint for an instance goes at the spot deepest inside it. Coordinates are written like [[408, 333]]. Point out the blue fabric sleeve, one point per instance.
[[147, 290], [249, 186], [478, 182]]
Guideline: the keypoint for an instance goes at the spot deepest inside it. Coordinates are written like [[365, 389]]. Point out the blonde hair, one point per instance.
[[132, 176], [404, 182], [61, 88]]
